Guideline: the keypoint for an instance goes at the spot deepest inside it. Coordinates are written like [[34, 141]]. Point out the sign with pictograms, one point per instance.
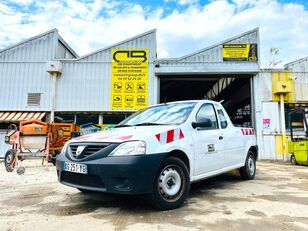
[[129, 78], [240, 52]]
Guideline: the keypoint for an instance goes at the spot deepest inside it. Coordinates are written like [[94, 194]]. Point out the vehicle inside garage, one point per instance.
[[233, 90]]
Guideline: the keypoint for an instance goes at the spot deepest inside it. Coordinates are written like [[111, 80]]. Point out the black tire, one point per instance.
[[21, 170], [172, 184], [54, 161], [293, 160], [53, 157], [84, 191], [248, 171], [9, 159]]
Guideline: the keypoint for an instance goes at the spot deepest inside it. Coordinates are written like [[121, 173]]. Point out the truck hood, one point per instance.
[[121, 134]]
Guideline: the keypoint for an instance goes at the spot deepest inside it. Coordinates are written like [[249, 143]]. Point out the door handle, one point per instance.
[[221, 137]]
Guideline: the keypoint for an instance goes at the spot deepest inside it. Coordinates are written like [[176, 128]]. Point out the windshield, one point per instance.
[[164, 114]]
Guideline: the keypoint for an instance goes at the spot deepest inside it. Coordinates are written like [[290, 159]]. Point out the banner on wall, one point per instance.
[[129, 79], [240, 52]]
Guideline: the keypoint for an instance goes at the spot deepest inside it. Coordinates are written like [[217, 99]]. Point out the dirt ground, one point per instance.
[[276, 200]]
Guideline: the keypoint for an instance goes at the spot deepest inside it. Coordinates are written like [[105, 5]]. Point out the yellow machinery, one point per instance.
[[62, 132], [36, 139], [298, 145]]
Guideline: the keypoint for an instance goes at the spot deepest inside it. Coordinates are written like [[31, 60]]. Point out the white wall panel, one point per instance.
[[265, 85], [85, 82], [17, 80], [300, 69], [3, 146], [269, 147]]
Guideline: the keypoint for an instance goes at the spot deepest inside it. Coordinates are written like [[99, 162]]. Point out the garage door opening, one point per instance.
[[234, 92]]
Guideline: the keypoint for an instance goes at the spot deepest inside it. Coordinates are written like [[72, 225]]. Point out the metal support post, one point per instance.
[[53, 96], [283, 126]]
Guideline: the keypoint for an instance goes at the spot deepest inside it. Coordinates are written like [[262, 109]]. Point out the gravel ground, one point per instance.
[[276, 200]]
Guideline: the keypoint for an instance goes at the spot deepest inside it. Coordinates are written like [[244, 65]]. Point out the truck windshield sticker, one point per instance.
[[170, 136], [104, 137]]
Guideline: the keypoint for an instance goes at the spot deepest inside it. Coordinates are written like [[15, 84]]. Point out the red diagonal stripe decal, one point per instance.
[[158, 137], [181, 134], [123, 137], [170, 135]]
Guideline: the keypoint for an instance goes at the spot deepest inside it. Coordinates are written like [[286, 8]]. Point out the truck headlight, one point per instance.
[[129, 148]]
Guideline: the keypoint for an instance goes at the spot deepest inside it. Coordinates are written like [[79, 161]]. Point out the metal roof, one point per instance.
[[233, 39], [305, 59], [210, 59], [137, 37], [67, 46], [53, 34], [30, 39]]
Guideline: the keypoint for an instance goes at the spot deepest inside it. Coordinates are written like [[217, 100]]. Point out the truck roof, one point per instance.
[[189, 101]]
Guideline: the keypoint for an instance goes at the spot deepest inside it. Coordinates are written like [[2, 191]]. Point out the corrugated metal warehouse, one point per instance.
[[44, 78]]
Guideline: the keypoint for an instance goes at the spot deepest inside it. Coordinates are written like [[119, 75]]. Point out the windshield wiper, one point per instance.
[[148, 124], [122, 125]]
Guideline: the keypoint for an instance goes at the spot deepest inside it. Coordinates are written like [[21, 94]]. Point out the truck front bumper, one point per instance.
[[122, 175]]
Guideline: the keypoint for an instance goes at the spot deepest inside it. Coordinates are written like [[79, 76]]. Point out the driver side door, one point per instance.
[[209, 144]]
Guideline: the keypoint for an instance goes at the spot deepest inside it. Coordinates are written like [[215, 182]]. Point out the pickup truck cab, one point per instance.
[[160, 151]]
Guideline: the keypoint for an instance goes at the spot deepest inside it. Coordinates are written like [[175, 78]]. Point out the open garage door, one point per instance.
[[234, 92]]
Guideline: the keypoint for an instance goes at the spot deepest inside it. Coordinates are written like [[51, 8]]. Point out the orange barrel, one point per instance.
[[33, 134], [33, 127]]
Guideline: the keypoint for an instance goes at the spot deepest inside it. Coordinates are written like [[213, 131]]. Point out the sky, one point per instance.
[[183, 26]]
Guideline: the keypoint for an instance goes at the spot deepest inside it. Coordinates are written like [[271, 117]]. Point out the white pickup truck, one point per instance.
[[160, 151]]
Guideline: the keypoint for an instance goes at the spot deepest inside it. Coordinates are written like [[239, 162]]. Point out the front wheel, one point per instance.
[[9, 160], [293, 160], [171, 186], [248, 171]]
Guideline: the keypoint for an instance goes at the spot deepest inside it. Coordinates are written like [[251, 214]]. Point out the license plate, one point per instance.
[[73, 167]]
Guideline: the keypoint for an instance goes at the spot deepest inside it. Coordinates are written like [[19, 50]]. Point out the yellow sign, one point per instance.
[[239, 52], [129, 79]]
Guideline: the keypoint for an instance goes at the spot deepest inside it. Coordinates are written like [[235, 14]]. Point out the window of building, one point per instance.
[[113, 119], [87, 118], [291, 107], [34, 99]]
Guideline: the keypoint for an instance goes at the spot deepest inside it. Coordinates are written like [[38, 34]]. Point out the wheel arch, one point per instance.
[[254, 150], [181, 155]]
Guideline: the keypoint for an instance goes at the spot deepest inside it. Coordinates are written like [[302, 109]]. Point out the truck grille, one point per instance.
[[88, 150], [82, 180]]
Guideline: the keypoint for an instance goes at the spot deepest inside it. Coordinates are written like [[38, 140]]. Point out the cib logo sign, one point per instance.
[[130, 55]]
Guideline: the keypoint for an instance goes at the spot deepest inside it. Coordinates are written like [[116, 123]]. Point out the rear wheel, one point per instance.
[[171, 185], [9, 160], [248, 171], [293, 160]]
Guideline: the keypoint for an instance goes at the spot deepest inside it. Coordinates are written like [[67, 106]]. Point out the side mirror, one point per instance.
[[205, 123]]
